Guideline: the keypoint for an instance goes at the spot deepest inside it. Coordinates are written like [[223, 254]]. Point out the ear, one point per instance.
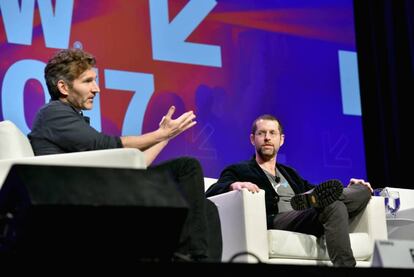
[[282, 140], [252, 139], [63, 87]]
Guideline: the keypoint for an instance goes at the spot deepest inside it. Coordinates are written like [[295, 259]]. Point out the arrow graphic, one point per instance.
[[333, 151], [168, 38]]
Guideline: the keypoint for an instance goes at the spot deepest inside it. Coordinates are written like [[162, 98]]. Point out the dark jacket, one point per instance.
[[250, 171]]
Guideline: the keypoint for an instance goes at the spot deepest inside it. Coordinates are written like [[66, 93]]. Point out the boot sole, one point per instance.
[[321, 196]]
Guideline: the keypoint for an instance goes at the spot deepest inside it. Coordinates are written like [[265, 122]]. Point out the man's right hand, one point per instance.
[[249, 186], [173, 127]]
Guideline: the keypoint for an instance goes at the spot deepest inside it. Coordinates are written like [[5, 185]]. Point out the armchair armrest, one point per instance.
[[372, 221], [243, 224], [119, 158]]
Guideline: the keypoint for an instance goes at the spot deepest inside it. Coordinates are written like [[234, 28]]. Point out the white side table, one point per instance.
[[400, 228]]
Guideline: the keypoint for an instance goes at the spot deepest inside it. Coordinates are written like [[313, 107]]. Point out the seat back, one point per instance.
[[208, 182], [13, 143]]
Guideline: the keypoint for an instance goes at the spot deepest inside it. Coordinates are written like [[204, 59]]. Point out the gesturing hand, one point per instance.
[[173, 127]]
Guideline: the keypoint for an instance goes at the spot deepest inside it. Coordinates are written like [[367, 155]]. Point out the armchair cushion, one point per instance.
[[293, 245]]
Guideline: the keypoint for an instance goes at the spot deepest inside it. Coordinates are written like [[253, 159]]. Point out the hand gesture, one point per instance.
[[173, 127]]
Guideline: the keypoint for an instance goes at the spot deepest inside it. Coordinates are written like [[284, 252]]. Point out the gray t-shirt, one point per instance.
[[59, 128], [283, 189]]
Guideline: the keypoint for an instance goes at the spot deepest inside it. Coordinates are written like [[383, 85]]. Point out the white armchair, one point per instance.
[[244, 230], [15, 148]]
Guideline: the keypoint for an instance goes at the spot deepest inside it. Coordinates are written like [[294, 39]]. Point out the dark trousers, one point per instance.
[[332, 221], [201, 233]]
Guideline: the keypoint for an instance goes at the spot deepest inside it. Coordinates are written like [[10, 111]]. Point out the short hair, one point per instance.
[[266, 117], [66, 65]]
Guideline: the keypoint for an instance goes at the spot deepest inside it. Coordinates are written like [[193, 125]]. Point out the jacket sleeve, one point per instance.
[[227, 177]]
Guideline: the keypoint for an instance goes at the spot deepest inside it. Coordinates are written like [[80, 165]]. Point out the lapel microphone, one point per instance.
[[277, 179]]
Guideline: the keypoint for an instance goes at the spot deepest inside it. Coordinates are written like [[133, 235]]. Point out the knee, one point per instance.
[[190, 163], [188, 166], [366, 194], [359, 194]]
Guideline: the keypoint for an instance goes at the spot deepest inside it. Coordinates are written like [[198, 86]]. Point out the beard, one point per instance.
[[266, 154]]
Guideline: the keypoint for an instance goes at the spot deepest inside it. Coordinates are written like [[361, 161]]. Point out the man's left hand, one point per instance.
[[354, 181]]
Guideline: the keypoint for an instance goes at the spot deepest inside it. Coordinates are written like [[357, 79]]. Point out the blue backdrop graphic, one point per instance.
[[228, 60]]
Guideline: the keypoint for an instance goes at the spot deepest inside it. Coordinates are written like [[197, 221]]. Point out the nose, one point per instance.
[[95, 88]]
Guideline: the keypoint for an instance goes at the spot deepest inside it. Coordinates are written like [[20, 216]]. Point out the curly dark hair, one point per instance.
[[66, 65]]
